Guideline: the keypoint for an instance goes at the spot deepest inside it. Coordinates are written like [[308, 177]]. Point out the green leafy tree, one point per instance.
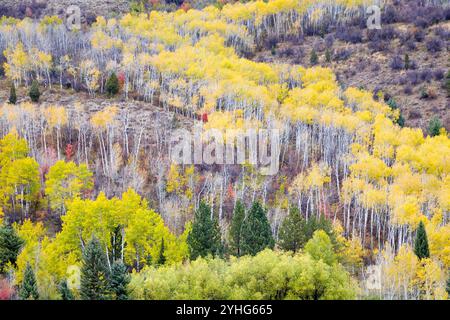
[[10, 244], [320, 247], [112, 85], [204, 238], [28, 289], [119, 281], [65, 181], [421, 248], [94, 272], [34, 92], [12, 94], [256, 234], [64, 291], [291, 236], [434, 126], [162, 255], [235, 228]]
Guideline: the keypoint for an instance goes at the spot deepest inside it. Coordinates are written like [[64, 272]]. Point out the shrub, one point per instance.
[[413, 77], [34, 91], [342, 54], [352, 35], [407, 90], [329, 40], [434, 45], [438, 74], [396, 63], [426, 75]]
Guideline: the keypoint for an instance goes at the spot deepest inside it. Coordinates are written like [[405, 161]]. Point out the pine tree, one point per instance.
[[161, 257], [421, 243], [292, 236], [235, 228], [314, 58], [112, 85], [94, 272], [256, 234], [119, 281], [28, 289], [10, 245], [204, 238], [64, 291], [34, 91], [12, 94]]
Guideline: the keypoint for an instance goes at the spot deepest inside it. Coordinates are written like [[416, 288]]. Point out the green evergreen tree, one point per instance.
[[291, 236], [162, 256], [434, 127], [407, 62], [394, 106], [119, 281], [64, 291], [256, 234], [235, 228], [112, 85], [204, 238], [34, 91], [421, 242], [328, 56], [94, 272], [10, 244], [313, 58], [28, 289], [12, 94]]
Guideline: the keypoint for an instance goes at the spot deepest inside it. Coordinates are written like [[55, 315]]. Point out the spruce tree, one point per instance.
[[119, 281], [328, 55], [162, 256], [421, 242], [235, 228], [291, 236], [28, 289], [94, 272], [256, 234], [204, 238], [34, 91], [112, 85], [407, 62], [64, 291], [12, 94], [314, 58], [10, 244], [434, 127]]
